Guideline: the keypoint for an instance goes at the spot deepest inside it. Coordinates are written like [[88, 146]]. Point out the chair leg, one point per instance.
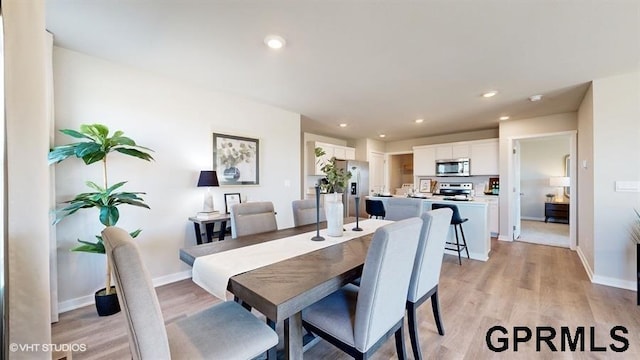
[[413, 330], [435, 305], [455, 228], [400, 349], [464, 241]]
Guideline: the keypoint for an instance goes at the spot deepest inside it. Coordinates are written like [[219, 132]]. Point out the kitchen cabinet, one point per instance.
[[452, 151], [494, 217], [484, 157], [331, 150], [424, 161]]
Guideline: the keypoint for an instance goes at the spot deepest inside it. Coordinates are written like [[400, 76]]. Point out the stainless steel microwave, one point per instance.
[[452, 167]]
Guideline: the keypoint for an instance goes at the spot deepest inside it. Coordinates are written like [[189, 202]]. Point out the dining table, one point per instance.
[[281, 290]]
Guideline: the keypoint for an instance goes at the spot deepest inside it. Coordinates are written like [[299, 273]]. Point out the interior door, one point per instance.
[[376, 172], [516, 189]]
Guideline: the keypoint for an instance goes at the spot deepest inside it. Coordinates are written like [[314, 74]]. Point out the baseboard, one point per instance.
[[605, 280], [76, 303], [504, 238], [532, 218]]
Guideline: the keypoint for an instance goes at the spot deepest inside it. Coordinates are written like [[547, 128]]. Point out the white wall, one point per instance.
[[616, 157], [27, 177], [585, 181], [510, 130], [540, 158], [177, 121]]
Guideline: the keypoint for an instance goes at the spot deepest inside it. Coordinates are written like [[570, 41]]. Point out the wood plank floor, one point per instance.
[[521, 285]]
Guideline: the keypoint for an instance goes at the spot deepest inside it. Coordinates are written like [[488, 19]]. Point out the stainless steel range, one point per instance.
[[456, 191]]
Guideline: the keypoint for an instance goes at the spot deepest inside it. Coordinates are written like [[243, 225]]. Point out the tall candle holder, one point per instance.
[[317, 237], [357, 228]]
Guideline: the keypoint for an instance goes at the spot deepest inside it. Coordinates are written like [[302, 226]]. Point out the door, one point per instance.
[[516, 189], [376, 172]]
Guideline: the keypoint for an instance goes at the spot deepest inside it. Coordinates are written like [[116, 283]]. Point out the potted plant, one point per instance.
[[635, 236], [335, 182], [95, 147]]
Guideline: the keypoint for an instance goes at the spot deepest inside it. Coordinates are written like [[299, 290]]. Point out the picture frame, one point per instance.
[[424, 185], [236, 159], [231, 199]]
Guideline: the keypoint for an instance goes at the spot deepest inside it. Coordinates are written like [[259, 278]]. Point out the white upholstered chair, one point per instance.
[[304, 212], [252, 218], [426, 271], [223, 331], [402, 208], [359, 320]]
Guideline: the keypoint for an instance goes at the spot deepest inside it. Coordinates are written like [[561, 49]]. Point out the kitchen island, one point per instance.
[[476, 230]]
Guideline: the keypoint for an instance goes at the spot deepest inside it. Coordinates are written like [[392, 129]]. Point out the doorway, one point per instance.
[[542, 210]]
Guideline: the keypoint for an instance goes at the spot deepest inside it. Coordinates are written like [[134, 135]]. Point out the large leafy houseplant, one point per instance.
[[95, 147], [336, 177]]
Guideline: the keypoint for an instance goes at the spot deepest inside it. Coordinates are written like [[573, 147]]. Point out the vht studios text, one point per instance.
[[581, 338]]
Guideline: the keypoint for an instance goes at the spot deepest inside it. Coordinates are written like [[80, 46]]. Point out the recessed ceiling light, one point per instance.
[[489, 94], [343, 125], [419, 121], [275, 41], [503, 118], [535, 97], [382, 135]]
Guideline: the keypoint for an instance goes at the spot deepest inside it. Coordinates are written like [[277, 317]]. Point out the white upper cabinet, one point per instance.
[[424, 161], [444, 152], [340, 152], [452, 151], [484, 157], [460, 151]]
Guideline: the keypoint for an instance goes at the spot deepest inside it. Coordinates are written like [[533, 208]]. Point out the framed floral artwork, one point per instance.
[[236, 159]]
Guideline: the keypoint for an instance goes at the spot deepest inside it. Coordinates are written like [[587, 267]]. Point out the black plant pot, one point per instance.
[[107, 304]]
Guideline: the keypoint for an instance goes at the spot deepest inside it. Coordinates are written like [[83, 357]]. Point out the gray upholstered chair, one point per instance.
[[223, 331], [402, 208], [304, 212], [426, 271], [359, 320], [252, 218]]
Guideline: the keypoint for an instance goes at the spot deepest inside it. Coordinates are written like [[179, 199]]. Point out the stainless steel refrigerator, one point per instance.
[[358, 186]]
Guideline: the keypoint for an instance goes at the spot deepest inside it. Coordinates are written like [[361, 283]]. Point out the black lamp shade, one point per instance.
[[208, 178]]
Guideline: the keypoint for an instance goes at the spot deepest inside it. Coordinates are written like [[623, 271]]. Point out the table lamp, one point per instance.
[[559, 182], [208, 179]]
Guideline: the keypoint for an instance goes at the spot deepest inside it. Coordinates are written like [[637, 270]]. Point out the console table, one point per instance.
[[556, 212], [207, 226]]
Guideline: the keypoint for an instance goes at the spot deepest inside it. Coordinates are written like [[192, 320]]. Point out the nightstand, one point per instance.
[[556, 212]]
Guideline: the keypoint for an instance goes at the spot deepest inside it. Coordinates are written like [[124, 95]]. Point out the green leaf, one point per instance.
[[92, 157], [86, 148], [75, 134], [122, 140], [134, 203], [135, 153], [115, 186], [109, 215], [60, 153], [94, 186], [95, 248], [134, 234], [118, 133]]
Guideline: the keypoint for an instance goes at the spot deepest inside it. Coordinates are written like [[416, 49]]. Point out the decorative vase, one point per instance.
[[231, 173], [334, 210], [107, 304]]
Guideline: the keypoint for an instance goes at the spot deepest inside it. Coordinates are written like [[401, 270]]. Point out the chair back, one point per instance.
[[374, 207], [385, 281], [426, 269], [455, 218], [403, 208], [138, 299], [252, 218], [304, 212]]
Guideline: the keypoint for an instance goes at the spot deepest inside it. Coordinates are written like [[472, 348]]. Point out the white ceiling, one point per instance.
[[376, 65]]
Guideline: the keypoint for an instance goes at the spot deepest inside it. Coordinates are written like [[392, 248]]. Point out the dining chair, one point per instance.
[[304, 212], [252, 218], [426, 272], [403, 208], [375, 208], [359, 320], [223, 331]]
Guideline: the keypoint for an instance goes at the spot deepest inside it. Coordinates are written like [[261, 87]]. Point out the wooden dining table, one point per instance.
[[282, 290]]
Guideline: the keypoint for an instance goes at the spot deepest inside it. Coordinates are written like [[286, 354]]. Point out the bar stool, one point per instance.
[[456, 221], [375, 208]]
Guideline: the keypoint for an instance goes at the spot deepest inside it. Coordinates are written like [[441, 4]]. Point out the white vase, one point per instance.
[[333, 209]]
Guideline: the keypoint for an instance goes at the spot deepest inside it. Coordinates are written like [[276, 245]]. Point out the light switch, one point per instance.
[[628, 186]]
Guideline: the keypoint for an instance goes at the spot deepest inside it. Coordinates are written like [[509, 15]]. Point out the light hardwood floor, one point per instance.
[[521, 285]]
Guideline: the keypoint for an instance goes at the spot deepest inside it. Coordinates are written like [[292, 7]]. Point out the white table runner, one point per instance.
[[212, 272]]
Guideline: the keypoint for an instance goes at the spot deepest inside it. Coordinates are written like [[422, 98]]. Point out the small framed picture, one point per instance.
[[424, 186], [230, 200]]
